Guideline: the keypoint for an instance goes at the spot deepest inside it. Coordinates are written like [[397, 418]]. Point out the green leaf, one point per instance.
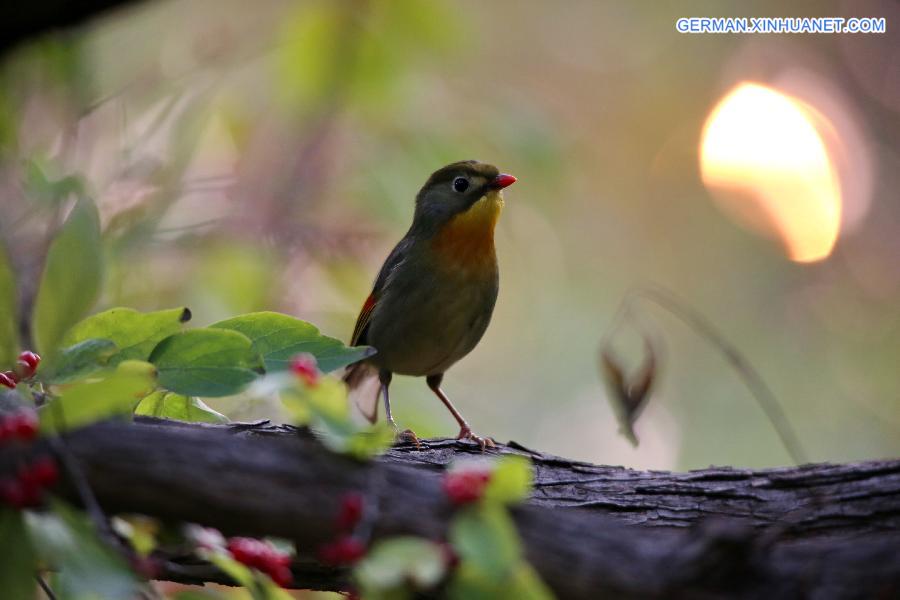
[[492, 566], [206, 362], [279, 337], [510, 481], [9, 337], [241, 574], [135, 333], [77, 361], [51, 191], [139, 530], [472, 583], [116, 394], [88, 569], [325, 408], [71, 278], [486, 536], [168, 405], [18, 565], [527, 585], [394, 563], [200, 595]]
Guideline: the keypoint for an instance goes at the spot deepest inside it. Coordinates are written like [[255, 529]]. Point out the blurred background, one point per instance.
[[265, 156]]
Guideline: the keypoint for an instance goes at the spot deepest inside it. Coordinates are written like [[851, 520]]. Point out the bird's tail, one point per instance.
[[362, 380]]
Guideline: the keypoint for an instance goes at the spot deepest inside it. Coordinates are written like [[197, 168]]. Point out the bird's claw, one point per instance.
[[465, 433], [407, 436]]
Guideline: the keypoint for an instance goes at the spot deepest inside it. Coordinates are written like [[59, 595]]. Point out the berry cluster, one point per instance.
[[345, 549], [262, 556], [26, 489], [26, 366], [147, 567], [304, 366], [465, 486], [21, 425]]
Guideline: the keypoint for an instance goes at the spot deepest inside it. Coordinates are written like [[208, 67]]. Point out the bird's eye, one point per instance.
[[460, 184]]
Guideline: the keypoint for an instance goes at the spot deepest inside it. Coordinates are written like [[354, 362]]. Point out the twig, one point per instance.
[[48, 591], [705, 329], [83, 488]]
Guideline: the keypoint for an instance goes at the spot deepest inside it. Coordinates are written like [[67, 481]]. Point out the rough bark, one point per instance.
[[823, 531]]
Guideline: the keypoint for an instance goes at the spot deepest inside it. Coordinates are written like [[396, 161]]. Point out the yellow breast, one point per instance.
[[467, 240]]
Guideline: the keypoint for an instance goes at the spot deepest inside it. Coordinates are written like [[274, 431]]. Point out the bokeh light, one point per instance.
[[764, 155]]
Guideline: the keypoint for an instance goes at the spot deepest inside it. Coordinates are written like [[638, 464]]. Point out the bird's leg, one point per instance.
[[385, 378], [465, 432], [407, 435]]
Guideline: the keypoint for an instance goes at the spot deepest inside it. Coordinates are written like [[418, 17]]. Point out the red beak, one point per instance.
[[503, 180]]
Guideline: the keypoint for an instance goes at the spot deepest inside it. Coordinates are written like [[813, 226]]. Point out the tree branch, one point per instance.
[[817, 530]]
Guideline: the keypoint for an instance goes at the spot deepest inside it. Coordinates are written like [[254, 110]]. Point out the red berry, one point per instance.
[[43, 472], [33, 493], [345, 550], [281, 575], [20, 494], [351, 511], [9, 379], [24, 425], [31, 359], [465, 487], [244, 550], [28, 363], [145, 566], [260, 555], [12, 492], [304, 366]]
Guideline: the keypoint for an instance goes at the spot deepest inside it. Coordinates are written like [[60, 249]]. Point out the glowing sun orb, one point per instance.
[[764, 155]]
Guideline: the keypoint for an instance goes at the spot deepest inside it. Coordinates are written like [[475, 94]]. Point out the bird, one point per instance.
[[435, 293]]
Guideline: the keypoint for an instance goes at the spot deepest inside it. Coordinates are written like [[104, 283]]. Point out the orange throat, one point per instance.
[[467, 240]]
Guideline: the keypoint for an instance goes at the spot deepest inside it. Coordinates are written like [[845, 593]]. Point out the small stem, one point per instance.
[[45, 587], [751, 377]]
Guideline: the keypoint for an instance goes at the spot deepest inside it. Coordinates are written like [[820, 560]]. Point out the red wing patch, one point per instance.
[[362, 321]]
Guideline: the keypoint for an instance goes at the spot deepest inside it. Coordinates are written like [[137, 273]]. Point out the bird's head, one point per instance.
[[466, 193]]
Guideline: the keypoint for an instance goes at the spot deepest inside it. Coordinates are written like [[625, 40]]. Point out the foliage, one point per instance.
[[9, 339], [124, 361], [169, 405], [115, 393], [134, 334], [71, 278], [277, 338], [78, 361], [399, 563], [483, 539], [121, 362], [324, 407], [18, 556], [88, 568], [260, 586], [206, 362]]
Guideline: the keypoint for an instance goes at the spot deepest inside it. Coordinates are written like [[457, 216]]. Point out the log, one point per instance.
[[590, 531]]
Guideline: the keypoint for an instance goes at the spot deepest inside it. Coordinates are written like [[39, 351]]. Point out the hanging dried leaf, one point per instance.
[[628, 396]]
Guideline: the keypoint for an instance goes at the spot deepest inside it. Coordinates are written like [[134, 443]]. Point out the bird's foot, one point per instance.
[[407, 436], [465, 433]]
